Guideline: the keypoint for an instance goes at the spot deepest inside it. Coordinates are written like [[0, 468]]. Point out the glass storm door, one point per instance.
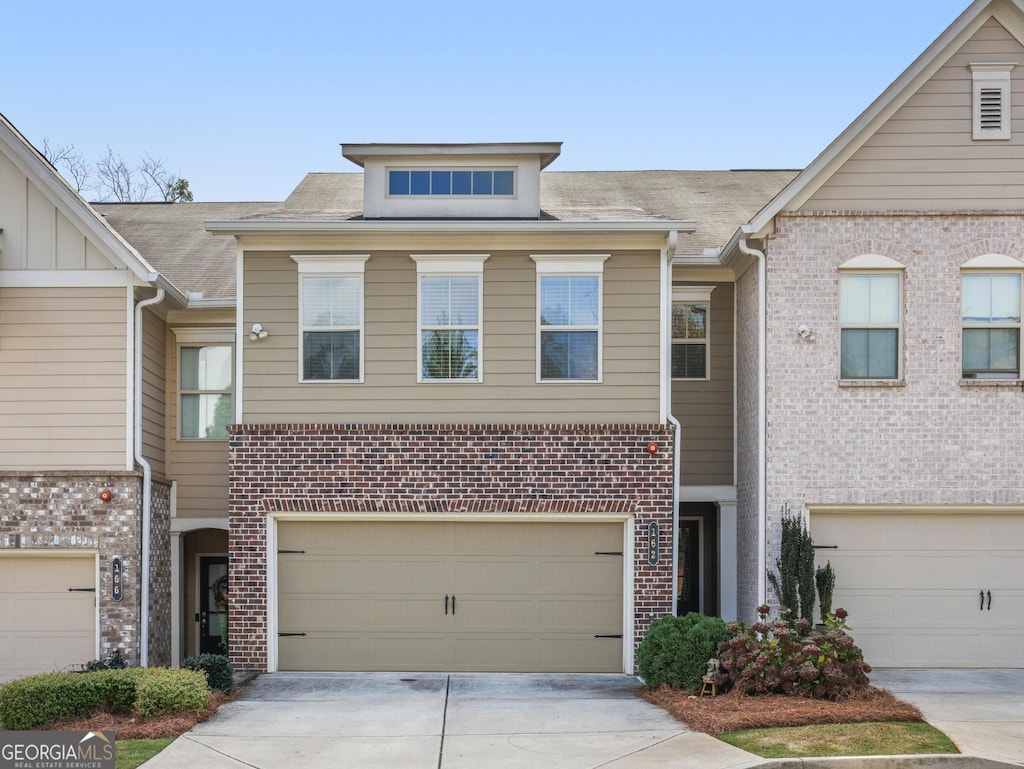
[[213, 606]]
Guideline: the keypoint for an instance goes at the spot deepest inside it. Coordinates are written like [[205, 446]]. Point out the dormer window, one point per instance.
[[991, 100], [449, 182]]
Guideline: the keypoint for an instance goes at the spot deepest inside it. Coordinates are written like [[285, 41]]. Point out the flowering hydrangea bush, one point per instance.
[[781, 657]]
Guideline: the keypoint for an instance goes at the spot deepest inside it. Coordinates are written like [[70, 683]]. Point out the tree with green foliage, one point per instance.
[[794, 582]]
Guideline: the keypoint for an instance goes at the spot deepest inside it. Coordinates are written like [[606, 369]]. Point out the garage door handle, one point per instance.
[[81, 590], [989, 594], [453, 605], [446, 604]]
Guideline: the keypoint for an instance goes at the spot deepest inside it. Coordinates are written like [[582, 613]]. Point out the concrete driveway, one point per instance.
[[982, 711], [441, 721]]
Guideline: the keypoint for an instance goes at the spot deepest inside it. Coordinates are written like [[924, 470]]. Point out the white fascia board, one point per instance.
[[235, 227], [359, 153], [808, 181]]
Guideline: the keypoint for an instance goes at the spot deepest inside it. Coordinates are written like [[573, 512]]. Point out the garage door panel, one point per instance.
[[911, 583], [521, 590]]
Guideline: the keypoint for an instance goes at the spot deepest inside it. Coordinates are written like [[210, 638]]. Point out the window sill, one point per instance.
[[872, 383], [992, 382]]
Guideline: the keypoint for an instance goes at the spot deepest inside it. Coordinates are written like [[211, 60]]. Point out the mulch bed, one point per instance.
[[131, 727], [732, 711]]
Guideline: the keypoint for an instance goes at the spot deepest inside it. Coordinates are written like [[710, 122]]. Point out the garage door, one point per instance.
[[939, 590], [48, 606], [543, 597]]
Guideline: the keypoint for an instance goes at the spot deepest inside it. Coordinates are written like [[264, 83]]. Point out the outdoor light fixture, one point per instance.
[[805, 331], [258, 332]]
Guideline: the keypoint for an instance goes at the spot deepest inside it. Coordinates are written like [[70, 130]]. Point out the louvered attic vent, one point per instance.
[[991, 106]]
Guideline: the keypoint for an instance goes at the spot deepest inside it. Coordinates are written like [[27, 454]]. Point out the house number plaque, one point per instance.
[[652, 543], [117, 580]]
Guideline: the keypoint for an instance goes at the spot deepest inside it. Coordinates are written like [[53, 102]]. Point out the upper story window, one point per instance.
[[331, 318], [870, 318], [474, 182], [991, 100], [205, 383], [569, 317], [991, 313], [449, 318], [691, 332]]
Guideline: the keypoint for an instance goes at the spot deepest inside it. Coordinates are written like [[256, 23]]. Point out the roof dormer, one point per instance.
[[452, 181]]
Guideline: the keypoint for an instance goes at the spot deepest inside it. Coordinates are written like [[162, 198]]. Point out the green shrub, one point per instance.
[[774, 658], [162, 691], [37, 702], [219, 672], [113, 661], [676, 650]]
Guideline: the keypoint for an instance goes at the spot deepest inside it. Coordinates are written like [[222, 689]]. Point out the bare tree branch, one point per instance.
[[70, 162]]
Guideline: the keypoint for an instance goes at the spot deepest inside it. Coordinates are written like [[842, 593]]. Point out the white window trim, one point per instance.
[[441, 196], [993, 264], [874, 264], [572, 265], [202, 337], [695, 295], [327, 265], [990, 76], [455, 265]]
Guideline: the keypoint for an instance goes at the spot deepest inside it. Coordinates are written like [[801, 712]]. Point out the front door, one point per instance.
[[688, 588], [213, 606]]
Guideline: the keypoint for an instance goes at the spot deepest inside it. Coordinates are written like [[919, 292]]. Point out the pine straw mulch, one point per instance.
[[127, 726], [733, 711]]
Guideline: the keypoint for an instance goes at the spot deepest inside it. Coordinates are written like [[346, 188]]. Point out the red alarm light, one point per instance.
[[652, 448], [106, 496]]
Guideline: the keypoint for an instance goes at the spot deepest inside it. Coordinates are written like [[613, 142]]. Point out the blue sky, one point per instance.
[[242, 99]]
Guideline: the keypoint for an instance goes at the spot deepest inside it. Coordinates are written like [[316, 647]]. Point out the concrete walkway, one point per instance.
[[440, 721], [982, 711]]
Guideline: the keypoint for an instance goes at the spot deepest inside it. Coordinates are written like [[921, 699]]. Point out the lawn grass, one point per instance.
[[864, 739], [132, 753]]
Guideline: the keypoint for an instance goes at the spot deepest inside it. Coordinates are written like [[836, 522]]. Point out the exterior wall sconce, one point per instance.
[[806, 332], [258, 332]]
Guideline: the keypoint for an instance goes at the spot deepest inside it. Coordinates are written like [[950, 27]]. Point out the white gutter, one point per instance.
[[666, 362], [147, 481], [762, 400]]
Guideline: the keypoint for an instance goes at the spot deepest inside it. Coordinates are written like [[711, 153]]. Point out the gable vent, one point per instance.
[[991, 107]]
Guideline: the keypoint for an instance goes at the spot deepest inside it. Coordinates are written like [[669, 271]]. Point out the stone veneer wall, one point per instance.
[[441, 468], [160, 576], [930, 439], [62, 510]]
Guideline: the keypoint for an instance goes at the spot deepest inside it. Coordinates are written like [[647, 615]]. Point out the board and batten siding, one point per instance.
[[63, 364], [509, 393], [924, 156], [154, 391], [705, 408], [200, 467], [37, 236]]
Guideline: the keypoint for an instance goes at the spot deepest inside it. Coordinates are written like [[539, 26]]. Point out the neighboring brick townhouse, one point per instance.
[[459, 410]]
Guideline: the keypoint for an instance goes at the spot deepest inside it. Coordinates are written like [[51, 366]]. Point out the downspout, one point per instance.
[[147, 481], [762, 401], [666, 356]]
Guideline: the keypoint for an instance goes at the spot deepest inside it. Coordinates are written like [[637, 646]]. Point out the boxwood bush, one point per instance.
[[220, 674], [39, 701], [676, 650]]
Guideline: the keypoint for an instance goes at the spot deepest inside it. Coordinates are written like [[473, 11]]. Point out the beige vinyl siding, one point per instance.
[[924, 157], [37, 236], [509, 392], [63, 378], [199, 466], [154, 392], [705, 408]]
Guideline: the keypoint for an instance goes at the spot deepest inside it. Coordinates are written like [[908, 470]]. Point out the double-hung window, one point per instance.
[[569, 317], [205, 378], [691, 332], [870, 315], [991, 313], [331, 318], [449, 317]]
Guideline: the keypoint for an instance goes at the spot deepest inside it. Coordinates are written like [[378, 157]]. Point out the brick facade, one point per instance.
[[931, 439], [442, 468], [63, 510]]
